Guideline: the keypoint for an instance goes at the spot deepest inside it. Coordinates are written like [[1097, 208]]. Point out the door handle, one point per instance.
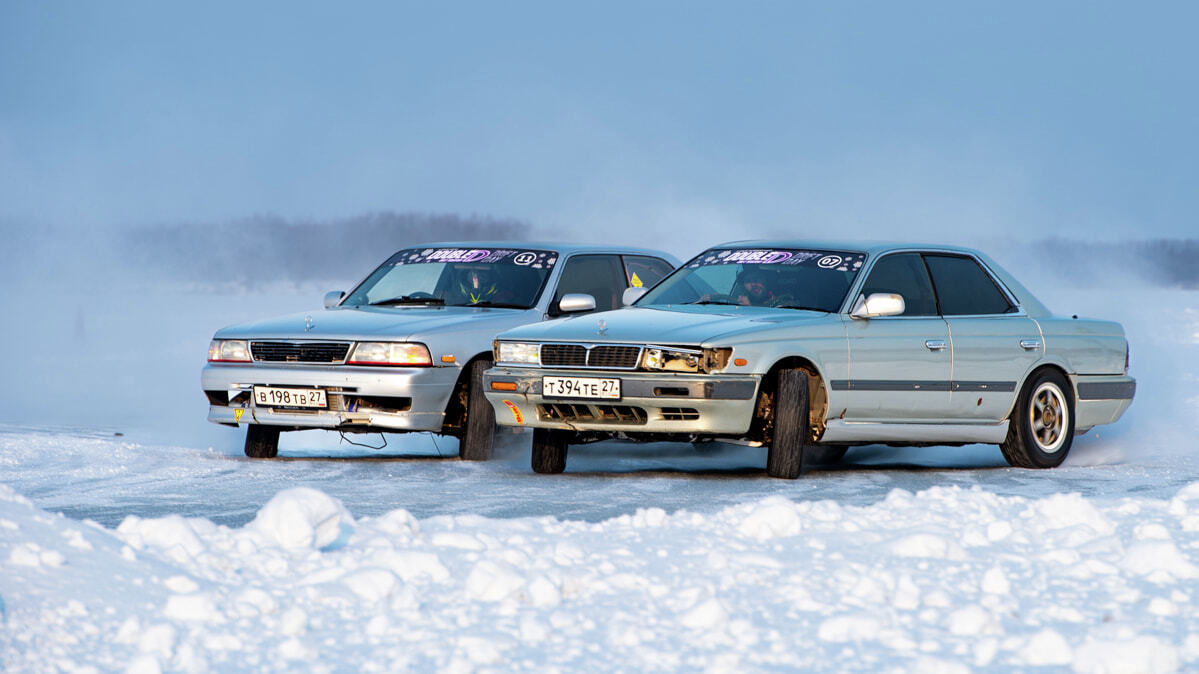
[[934, 344], [1030, 344]]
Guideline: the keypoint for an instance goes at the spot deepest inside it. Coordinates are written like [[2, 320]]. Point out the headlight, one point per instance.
[[521, 353], [229, 351], [674, 360], [390, 353]]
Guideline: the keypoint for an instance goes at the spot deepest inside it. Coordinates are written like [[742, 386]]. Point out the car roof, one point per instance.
[[560, 247], [872, 248]]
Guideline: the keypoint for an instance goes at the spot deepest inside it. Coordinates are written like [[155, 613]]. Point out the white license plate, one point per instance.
[[276, 396], [581, 387]]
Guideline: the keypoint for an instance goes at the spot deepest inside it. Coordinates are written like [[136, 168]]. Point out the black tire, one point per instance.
[[478, 434], [262, 442], [785, 457], [823, 455], [549, 450], [1041, 428]]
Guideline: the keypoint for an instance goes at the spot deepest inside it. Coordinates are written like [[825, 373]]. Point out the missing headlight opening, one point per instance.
[[683, 359]]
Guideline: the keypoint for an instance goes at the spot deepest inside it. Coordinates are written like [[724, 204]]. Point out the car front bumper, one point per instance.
[[698, 404], [359, 398]]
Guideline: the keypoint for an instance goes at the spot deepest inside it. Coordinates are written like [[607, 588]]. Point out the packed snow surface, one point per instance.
[[140, 540]]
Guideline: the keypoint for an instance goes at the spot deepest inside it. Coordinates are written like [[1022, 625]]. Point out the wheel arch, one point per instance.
[[455, 406], [1041, 366], [817, 393]]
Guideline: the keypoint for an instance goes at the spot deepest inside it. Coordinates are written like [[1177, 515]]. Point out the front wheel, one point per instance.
[[549, 450], [786, 454], [1041, 428], [262, 442], [478, 437]]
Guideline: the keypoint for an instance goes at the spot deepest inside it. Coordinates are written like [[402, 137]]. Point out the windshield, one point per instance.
[[457, 277], [787, 278]]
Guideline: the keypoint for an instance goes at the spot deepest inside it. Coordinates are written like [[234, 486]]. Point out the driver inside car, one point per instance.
[[751, 289], [477, 283]]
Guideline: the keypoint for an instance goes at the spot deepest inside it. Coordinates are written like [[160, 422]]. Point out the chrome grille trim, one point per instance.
[[280, 351], [591, 356]]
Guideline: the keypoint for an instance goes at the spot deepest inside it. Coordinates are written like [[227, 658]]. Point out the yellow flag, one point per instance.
[[636, 281]]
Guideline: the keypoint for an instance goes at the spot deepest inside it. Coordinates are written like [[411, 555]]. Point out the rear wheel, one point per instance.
[[1041, 428], [262, 442], [478, 436], [549, 450], [786, 454]]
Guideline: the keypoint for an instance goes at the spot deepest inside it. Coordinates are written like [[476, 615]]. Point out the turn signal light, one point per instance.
[[503, 386]]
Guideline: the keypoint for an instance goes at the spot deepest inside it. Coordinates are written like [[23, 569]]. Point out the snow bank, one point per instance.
[[946, 579]]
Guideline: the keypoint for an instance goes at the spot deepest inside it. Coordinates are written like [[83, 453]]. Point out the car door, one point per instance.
[[601, 276], [993, 342], [899, 366]]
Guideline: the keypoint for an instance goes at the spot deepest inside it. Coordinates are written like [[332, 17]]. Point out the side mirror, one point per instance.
[[333, 297], [878, 304], [632, 295], [573, 303]]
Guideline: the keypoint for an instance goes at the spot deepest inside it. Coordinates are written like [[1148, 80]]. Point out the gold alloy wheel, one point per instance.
[[1048, 415]]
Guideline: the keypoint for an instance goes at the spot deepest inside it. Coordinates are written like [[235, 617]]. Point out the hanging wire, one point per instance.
[[359, 444]]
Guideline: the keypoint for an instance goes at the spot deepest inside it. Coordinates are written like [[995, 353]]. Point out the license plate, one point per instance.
[[276, 396], [581, 387]]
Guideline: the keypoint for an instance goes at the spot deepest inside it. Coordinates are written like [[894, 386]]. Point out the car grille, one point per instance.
[[606, 356], [300, 352], [595, 414]]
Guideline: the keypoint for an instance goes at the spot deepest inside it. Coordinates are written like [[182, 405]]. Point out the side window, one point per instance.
[[600, 276], [964, 288], [904, 273], [644, 272]]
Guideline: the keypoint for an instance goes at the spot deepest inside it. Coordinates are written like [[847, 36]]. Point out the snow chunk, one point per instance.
[[1159, 558], [493, 581], [1047, 647], [193, 608], [371, 584], [302, 517], [32, 554], [1066, 511], [1148, 655], [995, 581], [773, 517], [172, 534], [708, 615], [926, 545], [855, 627]]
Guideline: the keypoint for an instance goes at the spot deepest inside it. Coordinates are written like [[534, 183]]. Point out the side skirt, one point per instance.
[[838, 430]]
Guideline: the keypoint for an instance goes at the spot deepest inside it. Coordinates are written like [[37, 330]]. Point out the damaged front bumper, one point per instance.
[[358, 398], [699, 404]]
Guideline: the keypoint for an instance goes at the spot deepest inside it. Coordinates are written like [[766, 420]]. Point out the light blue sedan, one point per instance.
[[810, 348]]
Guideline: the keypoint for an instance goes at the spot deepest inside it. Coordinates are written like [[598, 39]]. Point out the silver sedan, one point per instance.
[[810, 348], [406, 349]]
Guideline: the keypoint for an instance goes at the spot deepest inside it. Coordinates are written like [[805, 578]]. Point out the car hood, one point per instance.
[[390, 323], [684, 325]]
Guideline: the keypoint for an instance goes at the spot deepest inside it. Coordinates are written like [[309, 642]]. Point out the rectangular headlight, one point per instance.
[[229, 351], [520, 353], [390, 353]]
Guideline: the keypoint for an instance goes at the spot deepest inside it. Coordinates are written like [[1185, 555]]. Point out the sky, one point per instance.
[[932, 119]]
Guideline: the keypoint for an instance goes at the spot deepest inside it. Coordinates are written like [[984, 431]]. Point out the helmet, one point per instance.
[[476, 276]]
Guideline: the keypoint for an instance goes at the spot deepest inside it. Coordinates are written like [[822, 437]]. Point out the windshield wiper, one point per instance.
[[731, 304], [800, 306], [496, 305], [408, 299]]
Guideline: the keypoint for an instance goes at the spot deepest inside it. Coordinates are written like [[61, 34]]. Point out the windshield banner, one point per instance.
[[822, 259], [535, 259]]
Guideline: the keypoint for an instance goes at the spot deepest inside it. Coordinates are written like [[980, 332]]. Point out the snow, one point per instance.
[[163, 549]]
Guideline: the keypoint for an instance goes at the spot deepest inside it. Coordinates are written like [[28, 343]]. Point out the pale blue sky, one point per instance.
[[920, 120]]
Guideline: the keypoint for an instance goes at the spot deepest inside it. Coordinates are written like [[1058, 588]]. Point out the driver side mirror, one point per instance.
[[632, 295], [573, 303], [878, 304], [333, 297]]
